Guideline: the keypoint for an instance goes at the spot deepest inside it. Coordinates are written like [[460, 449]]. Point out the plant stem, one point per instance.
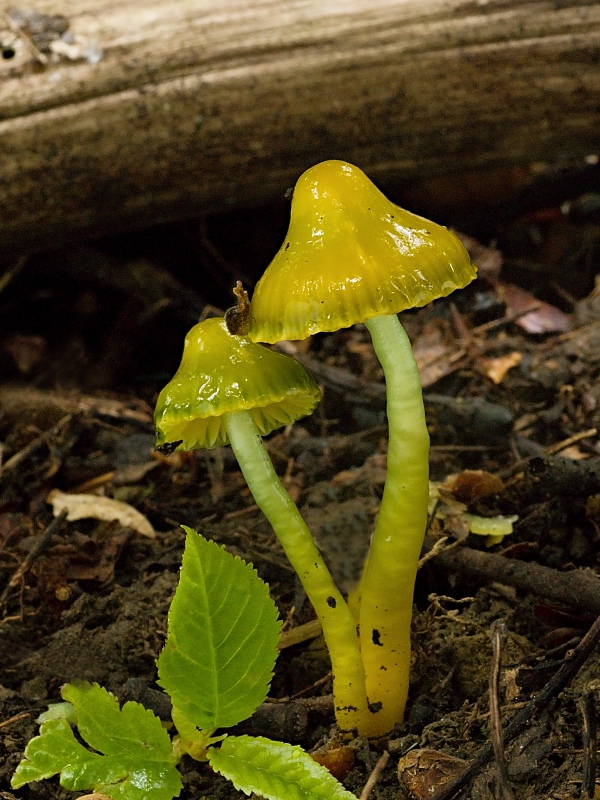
[[387, 584], [339, 627]]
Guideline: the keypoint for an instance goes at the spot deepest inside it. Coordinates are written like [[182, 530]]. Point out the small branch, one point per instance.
[[577, 437], [588, 712], [12, 271], [503, 321], [35, 444], [566, 672], [498, 634], [301, 692], [579, 588], [39, 547], [16, 718], [374, 776], [299, 634]]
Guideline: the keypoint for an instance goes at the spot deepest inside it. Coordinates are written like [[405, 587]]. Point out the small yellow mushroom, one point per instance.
[[229, 390]]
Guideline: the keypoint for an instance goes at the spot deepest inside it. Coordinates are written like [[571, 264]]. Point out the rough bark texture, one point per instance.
[[124, 113]]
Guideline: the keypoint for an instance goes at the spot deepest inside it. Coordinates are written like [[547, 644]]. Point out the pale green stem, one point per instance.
[[339, 626], [388, 581]]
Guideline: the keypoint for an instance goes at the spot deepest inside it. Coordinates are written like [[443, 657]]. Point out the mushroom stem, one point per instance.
[[339, 627], [388, 581]]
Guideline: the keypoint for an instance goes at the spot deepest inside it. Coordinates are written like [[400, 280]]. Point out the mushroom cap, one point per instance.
[[350, 254], [221, 374]]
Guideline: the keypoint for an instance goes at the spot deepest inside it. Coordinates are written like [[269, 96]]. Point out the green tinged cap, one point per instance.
[[221, 374], [350, 254]]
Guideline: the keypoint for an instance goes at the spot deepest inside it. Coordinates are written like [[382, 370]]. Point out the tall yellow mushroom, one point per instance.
[[350, 255]]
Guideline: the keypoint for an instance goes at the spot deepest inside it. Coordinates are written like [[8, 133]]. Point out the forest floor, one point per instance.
[[510, 368]]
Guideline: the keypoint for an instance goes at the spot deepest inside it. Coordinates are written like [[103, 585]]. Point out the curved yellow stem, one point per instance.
[[339, 626], [387, 584]]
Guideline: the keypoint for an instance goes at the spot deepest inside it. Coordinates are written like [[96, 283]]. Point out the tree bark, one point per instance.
[[127, 113]]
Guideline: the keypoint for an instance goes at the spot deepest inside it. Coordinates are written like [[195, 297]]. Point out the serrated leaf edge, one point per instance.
[[163, 764], [244, 751], [222, 716]]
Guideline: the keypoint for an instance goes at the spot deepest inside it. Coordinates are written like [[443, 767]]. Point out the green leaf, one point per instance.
[[223, 630], [275, 770], [135, 759], [58, 711], [53, 750]]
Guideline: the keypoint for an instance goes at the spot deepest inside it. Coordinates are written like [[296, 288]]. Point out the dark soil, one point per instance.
[[90, 334]]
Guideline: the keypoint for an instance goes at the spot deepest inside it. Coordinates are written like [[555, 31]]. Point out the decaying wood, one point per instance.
[[119, 114]]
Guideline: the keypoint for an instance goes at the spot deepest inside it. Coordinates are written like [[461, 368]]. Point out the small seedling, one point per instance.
[[216, 666]]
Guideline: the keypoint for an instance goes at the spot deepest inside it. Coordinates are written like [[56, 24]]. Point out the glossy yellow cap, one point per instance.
[[350, 254], [221, 374]]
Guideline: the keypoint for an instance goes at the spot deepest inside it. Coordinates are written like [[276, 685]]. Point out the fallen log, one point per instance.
[[115, 115]]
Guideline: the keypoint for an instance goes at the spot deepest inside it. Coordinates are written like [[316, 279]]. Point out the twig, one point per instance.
[[465, 448], [577, 437], [550, 450], [578, 588], [299, 634], [39, 547], [438, 547], [588, 712], [16, 718], [374, 776], [499, 323], [341, 379], [241, 512], [576, 332], [11, 273], [299, 693], [34, 445], [498, 634], [566, 672]]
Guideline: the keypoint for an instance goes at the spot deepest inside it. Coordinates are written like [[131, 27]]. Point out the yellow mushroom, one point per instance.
[[229, 390], [350, 255]]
